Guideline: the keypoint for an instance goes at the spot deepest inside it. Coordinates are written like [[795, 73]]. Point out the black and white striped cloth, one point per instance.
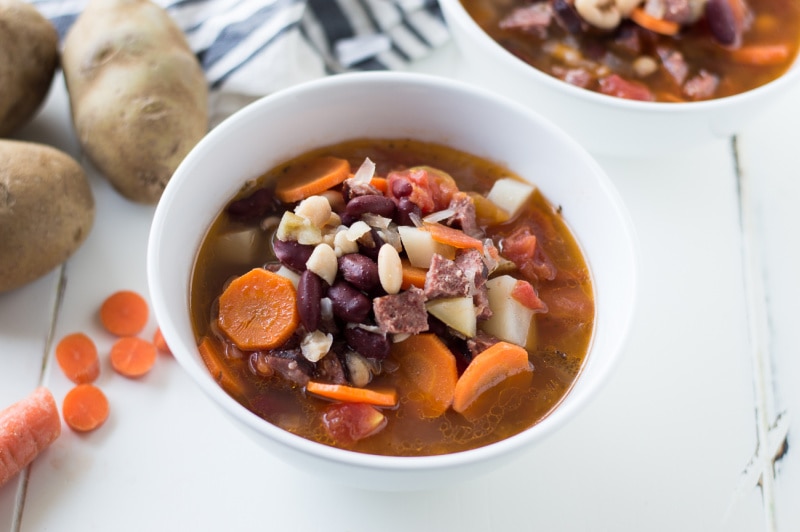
[[254, 47]]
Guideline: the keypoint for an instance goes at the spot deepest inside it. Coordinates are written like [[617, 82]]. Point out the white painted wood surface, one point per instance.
[[683, 437]]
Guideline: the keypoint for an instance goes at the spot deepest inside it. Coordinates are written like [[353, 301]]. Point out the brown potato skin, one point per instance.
[[138, 95], [46, 210], [28, 61]]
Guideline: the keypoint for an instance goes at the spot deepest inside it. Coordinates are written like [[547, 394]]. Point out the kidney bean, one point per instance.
[[404, 209], [258, 204], [567, 16], [373, 203], [724, 22], [401, 188], [359, 270], [348, 303], [310, 290], [292, 254], [366, 343]]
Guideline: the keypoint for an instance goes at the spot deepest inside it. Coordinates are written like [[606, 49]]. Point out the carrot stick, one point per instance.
[[488, 369], [124, 313], [85, 408], [259, 310], [452, 237], [412, 275], [766, 54], [351, 394], [76, 355], [305, 180], [132, 357], [27, 427], [654, 24], [431, 367], [213, 358], [160, 343]]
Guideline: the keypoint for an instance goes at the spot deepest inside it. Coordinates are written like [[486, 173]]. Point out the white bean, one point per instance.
[[603, 14], [317, 209], [323, 262], [390, 269]]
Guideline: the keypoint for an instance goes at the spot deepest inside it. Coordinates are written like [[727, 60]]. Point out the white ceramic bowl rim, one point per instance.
[[457, 10], [199, 374]]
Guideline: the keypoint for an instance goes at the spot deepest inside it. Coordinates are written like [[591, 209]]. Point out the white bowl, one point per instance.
[[391, 105], [606, 125]]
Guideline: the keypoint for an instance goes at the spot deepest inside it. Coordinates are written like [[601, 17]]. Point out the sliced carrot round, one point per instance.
[[85, 408], [352, 394], [304, 180], [259, 310], [132, 357], [124, 313], [488, 369], [76, 355], [431, 368], [160, 342]]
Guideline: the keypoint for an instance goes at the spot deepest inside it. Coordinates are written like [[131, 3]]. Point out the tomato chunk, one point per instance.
[[348, 423], [428, 188]]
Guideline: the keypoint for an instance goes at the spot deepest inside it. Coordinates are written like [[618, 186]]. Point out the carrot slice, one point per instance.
[[304, 180], [124, 313], [452, 237], [351, 394], [259, 310], [654, 24], [766, 54], [132, 356], [85, 408], [430, 367], [213, 358], [488, 369], [412, 275], [76, 355], [380, 183], [160, 343], [27, 428]]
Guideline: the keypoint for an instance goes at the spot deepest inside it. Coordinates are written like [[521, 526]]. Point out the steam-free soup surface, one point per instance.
[[274, 382]]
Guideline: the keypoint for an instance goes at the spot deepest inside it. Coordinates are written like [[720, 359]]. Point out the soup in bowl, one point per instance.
[[382, 288], [633, 77]]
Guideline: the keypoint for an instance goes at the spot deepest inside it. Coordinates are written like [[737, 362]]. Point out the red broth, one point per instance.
[[725, 48], [273, 382]]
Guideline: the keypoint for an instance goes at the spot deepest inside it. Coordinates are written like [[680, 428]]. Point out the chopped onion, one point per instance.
[[365, 172], [438, 216], [415, 219]]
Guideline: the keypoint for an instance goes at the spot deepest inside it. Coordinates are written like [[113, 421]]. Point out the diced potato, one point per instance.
[[511, 320], [510, 194], [456, 312], [420, 246], [294, 227]]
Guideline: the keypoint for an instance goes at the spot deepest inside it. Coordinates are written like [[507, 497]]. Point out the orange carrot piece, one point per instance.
[[430, 366], [76, 355], [85, 408], [124, 313], [380, 183], [412, 275], [27, 428], [488, 369], [654, 24], [132, 356], [259, 310], [302, 181], [452, 237], [766, 54], [212, 356], [159, 342], [351, 394]]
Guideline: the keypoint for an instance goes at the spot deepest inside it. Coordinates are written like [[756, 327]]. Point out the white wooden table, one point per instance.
[[688, 434]]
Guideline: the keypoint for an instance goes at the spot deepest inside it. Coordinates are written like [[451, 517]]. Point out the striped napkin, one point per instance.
[[249, 48]]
